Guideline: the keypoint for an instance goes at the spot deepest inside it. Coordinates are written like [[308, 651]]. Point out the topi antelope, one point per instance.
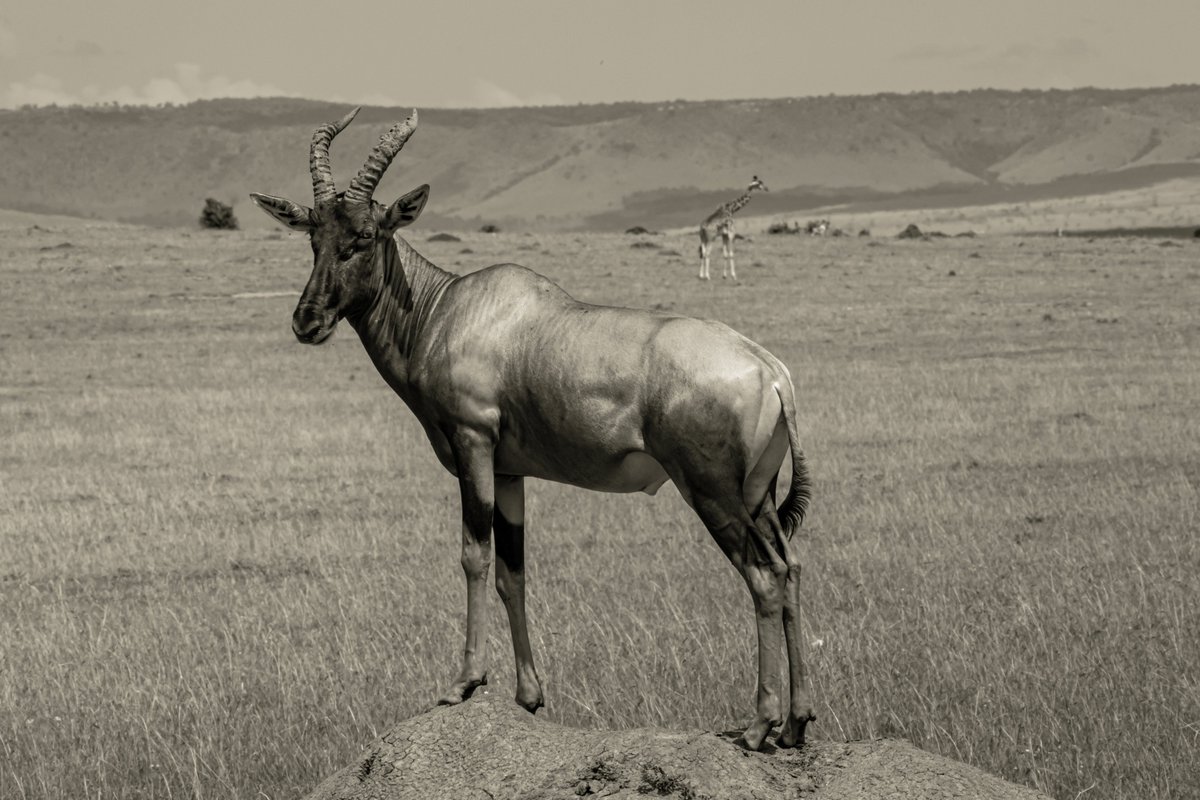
[[512, 378]]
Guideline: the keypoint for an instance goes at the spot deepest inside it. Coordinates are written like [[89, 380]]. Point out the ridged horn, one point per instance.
[[324, 191], [364, 183]]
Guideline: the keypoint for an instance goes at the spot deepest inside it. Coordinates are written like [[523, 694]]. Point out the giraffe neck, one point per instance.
[[723, 216], [734, 206]]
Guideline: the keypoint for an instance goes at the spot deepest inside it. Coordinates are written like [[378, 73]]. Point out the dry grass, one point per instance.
[[227, 561]]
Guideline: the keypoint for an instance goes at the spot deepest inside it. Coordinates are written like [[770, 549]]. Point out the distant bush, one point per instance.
[[638, 230], [490, 228], [783, 227], [443, 237], [913, 232], [217, 215]]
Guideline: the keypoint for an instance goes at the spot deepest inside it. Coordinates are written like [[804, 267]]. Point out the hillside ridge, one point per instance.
[[605, 166]]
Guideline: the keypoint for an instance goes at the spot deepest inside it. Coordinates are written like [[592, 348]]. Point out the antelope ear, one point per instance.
[[405, 211], [285, 212]]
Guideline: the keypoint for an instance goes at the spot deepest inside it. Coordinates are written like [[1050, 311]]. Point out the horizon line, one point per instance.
[[114, 105]]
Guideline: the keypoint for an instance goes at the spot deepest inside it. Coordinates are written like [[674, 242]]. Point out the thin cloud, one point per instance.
[[1058, 64], [367, 99], [84, 48], [490, 95], [1055, 53], [1029, 64], [188, 83], [938, 52], [40, 90], [8, 41]]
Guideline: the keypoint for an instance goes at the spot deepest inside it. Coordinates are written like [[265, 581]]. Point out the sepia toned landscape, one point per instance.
[[230, 561], [1093, 157], [235, 564]]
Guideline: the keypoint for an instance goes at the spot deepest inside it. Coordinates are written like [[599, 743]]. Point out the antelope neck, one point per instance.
[[408, 288]]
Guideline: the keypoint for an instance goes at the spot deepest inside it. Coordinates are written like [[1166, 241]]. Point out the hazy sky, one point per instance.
[[520, 52]]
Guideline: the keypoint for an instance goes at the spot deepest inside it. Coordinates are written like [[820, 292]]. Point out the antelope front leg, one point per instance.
[[473, 458], [509, 524]]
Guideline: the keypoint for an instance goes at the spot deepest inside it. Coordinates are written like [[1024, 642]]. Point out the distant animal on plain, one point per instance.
[[721, 221], [817, 227]]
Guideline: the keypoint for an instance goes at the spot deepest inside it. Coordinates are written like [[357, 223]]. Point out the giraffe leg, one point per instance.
[[728, 270]]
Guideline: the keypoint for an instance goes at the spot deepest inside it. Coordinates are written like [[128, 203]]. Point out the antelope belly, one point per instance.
[[637, 472], [632, 472]]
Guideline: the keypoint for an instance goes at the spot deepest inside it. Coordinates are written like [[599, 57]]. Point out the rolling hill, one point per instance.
[[604, 167]]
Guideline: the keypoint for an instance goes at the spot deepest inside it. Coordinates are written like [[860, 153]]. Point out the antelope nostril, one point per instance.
[[312, 324], [306, 330]]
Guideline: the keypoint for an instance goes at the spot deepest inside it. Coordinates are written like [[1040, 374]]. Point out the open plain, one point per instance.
[[227, 561]]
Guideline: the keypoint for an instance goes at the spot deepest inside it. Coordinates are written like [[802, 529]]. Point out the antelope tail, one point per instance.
[[795, 503]]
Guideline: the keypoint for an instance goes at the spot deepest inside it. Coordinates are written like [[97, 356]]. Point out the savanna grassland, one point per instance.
[[227, 561]]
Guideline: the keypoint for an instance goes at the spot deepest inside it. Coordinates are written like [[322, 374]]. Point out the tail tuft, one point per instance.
[[796, 502], [799, 496]]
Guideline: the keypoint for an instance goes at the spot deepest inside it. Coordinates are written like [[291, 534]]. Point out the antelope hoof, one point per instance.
[[792, 734], [461, 690], [756, 733], [530, 704]]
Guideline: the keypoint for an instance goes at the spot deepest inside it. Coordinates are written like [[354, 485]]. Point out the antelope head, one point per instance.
[[345, 229]]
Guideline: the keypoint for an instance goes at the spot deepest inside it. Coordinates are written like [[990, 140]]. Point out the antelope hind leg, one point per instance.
[[743, 544], [800, 711]]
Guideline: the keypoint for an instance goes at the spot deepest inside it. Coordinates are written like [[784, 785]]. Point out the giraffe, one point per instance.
[[721, 221]]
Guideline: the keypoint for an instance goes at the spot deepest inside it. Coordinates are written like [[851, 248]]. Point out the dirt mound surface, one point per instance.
[[492, 748]]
